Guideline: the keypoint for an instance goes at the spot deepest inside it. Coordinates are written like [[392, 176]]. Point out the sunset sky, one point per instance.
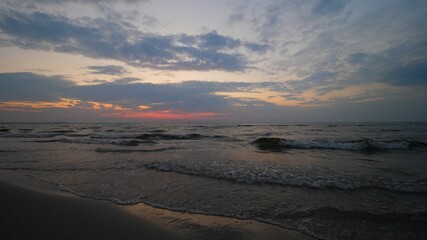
[[231, 61]]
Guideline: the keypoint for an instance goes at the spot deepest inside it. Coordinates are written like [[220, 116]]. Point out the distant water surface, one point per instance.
[[328, 180]]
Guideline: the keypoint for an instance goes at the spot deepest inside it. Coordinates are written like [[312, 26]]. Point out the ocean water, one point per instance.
[[327, 180]]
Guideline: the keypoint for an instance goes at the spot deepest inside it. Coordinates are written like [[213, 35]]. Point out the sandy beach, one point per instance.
[[32, 214], [36, 210]]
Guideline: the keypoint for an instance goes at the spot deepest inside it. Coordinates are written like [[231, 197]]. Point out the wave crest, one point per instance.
[[312, 177], [366, 144]]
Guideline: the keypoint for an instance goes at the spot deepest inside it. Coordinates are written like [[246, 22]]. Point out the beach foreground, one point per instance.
[[332, 181], [31, 214], [35, 210]]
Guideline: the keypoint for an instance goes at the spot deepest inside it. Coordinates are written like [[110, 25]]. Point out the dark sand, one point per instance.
[[31, 209], [30, 214]]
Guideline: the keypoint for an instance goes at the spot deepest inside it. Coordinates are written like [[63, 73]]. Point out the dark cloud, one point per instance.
[[261, 48], [40, 27], [401, 65], [101, 38], [213, 40], [410, 73], [187, 96], [107, 70], [332, 45], [196, 96], [27, 86], [356, 58]]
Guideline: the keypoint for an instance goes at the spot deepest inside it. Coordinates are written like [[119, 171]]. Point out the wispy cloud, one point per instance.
[[303, 57], [101, 38], [191, 99], [107, 70]]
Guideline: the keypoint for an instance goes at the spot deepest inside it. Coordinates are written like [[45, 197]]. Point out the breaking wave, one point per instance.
[[152, 135], [280, 144], [313, 177], [121, 142], [162, 136], [112, 150]]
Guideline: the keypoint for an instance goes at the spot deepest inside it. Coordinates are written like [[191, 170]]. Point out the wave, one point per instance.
[[327, 213], [315, 222], [280, 144], [30, 135], [156, 135], [112, 150], [390, 130], [41, 169], [161, 136], [122, 142], [65, 169], [158, 131], [312, 177], [113, 136], [336, 213], [25, 129], [7, 151], [61, 131], [48, 134]]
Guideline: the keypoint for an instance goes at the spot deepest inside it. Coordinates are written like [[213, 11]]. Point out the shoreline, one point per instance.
[[31, 214], [33, 209]]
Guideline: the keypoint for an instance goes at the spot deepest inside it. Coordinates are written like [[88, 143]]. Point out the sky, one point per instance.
[[215, 61]]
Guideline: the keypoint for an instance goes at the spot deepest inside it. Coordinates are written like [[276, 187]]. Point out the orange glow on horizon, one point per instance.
[[104, 106], [63, 103], [167, 114], [143, 107], [110, 110]]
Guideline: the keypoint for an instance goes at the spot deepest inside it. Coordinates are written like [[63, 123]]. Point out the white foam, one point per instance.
[[313, 177]]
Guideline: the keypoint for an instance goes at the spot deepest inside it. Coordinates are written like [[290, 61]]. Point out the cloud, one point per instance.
[[325, 46], [322, 7], [261, 48], [84, 1], [107, 70], [27, 86], [401, 65], [126, 80], [235, 17], [213, 40], [101, 38], [39, 97], [356, 58], [189, 96], [96, 81]]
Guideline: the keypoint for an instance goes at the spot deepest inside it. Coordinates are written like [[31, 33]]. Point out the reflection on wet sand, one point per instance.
[[199, 226]]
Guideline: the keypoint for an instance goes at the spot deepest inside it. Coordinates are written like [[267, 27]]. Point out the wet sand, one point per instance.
[[30, 214], [35, 210]]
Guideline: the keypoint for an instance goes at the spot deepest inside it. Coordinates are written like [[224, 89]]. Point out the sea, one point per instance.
[[331, 181]]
